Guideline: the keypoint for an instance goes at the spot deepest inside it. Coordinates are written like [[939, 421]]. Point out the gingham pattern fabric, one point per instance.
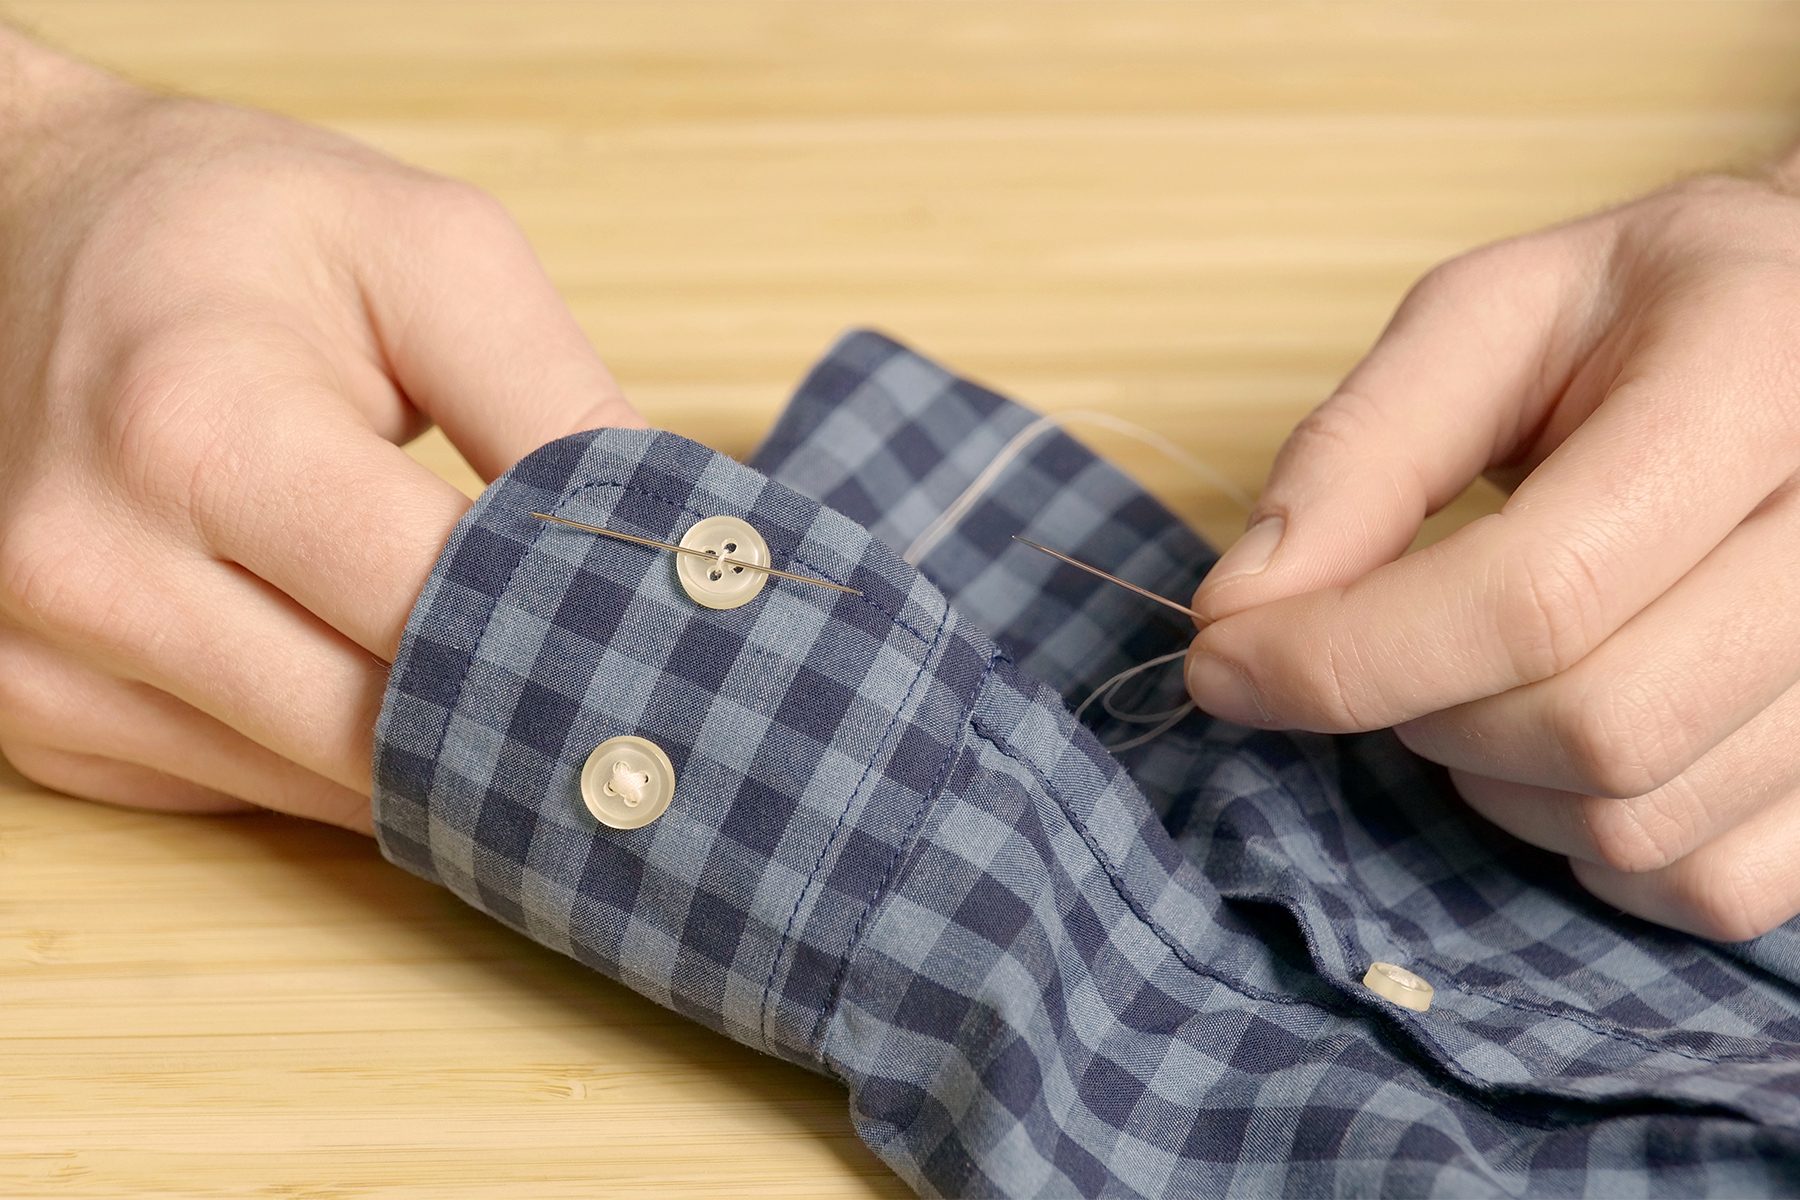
[[1040, 969]]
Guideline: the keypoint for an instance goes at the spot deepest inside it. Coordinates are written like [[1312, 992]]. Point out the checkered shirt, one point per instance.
[[1039, 968]]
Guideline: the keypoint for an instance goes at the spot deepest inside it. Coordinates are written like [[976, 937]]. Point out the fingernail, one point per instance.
[[1224, 691], [1250, 553]]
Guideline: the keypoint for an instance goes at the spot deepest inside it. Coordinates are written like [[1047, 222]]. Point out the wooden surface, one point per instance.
[[1193, 216]]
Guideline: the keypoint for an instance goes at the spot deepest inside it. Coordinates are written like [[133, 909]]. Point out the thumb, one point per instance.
[[477, 336], [1443, 394]]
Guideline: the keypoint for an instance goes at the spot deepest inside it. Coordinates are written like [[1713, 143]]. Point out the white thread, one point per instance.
[[1165, 720], [947, 520], [628, 785]]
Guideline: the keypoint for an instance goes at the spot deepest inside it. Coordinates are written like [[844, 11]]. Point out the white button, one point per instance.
[[627, 782], [715, 585], [1399, 985]]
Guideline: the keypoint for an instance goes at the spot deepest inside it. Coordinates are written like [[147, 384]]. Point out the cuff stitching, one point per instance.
[[835, 993], [806, 889], [816, 570]]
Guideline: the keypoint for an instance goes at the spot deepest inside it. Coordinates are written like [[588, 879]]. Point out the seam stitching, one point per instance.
[[1112, 875], [462, 678], [807, 888], [952, 756]]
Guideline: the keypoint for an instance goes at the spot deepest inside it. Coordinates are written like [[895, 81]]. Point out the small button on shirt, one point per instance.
[[723, 582], [627, 782], [865, 833]]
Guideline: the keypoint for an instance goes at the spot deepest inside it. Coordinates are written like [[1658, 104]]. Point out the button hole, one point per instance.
[[731, 547], [715, 576], [627, 785]]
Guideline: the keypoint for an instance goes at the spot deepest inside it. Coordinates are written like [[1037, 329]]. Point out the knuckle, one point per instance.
[[1735, 901], [1342, 422], [1322, 684], [41, 573], [22, 710], [461, 209], [23, 551], [149, 416], [1623, 742], [165, 443], [1635, 836], [58, 583], [1453, 279], [1548, 610], [1336, 689], [1354, 430], [468, 230]]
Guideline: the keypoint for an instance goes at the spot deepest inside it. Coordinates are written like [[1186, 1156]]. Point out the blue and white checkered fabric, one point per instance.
[[1040, 969]]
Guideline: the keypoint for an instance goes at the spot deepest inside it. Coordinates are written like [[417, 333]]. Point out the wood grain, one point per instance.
[[1195, 216]]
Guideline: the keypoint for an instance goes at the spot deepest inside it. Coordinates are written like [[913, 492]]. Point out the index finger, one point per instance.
[[1605, 525]]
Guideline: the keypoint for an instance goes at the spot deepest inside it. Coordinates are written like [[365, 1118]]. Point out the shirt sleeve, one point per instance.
[[809, 730], [889, 856], [893, 857]]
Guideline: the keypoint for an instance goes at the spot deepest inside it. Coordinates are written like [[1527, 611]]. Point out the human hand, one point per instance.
[[217, 326], [1609, 665]]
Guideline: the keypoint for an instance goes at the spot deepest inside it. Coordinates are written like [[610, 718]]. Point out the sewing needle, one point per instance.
[[1128, 586], [717, 558]]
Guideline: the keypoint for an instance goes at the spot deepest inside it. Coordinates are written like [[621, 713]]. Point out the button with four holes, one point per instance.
[[718, 584], [1399, 986], [627, 782]]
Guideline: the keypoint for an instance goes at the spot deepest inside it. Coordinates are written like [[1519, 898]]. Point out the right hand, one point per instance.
[[1610, 665]]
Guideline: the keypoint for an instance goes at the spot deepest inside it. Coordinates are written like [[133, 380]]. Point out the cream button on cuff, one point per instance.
[[1398, 985], [714, 584], [627, 782]]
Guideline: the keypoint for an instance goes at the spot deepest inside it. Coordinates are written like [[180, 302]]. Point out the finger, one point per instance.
[[1738, 887], [1677, 679], [54, 702], [90, 777], [1474, 354], [149, 607], [477, 336], [337, 518], [1608, 522], [1742, 777], [232, 646]]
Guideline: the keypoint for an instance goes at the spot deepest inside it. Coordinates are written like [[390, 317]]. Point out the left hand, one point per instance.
[[1610, 665], [218, 324]]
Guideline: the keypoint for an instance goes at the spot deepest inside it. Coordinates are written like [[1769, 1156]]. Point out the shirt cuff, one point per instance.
[[809, 730]]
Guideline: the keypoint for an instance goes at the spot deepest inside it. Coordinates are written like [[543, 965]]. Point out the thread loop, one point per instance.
[[929, 537]]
